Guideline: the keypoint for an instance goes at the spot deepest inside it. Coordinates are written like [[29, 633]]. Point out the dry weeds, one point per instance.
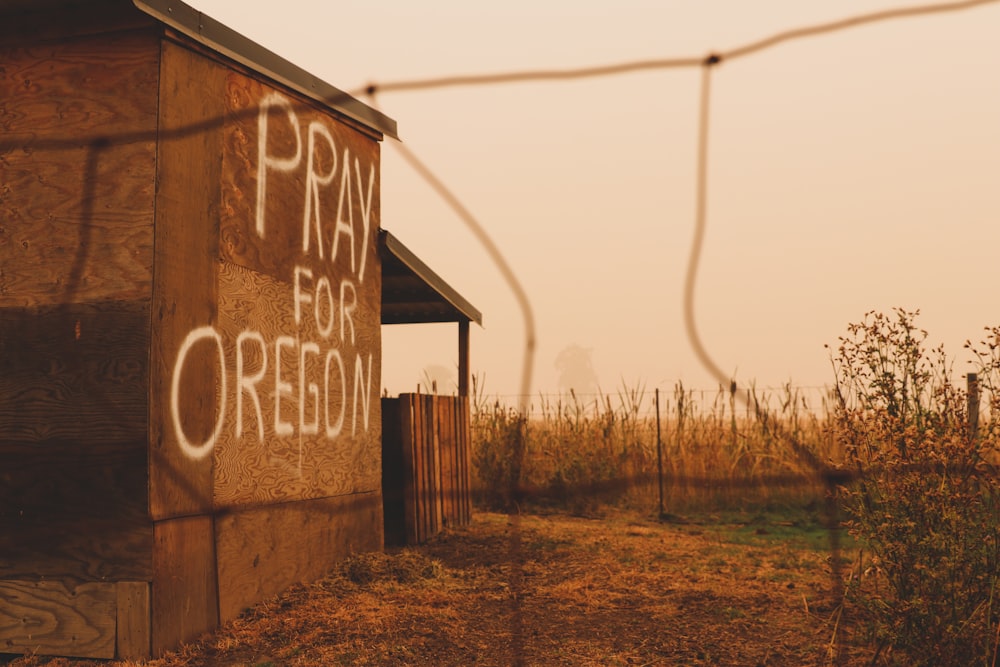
[[619, 589]]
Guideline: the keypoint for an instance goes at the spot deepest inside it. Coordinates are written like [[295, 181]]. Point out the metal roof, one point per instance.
[[412, 293]]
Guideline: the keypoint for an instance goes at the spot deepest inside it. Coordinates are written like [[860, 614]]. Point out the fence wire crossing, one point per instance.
[[830, 476]]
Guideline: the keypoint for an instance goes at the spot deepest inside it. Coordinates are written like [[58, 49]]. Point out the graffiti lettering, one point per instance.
[[319, 385], [352, 188], [192, 450], [311, 378]]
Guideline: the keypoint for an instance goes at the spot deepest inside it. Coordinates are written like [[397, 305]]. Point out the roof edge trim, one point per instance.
[[425, 273], [220, 37]]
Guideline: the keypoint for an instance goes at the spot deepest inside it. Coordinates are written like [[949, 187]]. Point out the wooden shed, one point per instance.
[[190, 313]]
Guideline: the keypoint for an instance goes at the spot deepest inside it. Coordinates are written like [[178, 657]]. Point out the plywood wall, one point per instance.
[[77, 160], [190, 353], [265, 392]]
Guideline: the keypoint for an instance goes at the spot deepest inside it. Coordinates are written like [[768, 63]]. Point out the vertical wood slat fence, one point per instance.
[[426, 461]]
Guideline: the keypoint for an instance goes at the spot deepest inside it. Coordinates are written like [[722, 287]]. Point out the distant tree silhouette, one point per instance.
[[576, 370]]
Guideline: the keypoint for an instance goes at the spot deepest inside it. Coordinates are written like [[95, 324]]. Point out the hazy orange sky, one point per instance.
[[847, 172]]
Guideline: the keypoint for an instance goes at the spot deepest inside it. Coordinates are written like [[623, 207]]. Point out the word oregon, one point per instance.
[[311, 387]]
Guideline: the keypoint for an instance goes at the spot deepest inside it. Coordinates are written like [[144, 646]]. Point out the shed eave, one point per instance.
[[427, 298], [223, 39]]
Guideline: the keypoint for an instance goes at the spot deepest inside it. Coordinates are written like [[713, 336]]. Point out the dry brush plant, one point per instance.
[[731, 450], [924, 502]]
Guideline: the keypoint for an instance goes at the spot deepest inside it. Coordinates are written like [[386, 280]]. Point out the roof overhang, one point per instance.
[[219, 38], [412, 293], [225, 40]]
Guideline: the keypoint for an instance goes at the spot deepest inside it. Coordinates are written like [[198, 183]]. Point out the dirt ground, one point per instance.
[[616, 589]]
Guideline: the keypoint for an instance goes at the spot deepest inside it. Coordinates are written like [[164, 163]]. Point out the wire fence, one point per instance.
[[733, 411]]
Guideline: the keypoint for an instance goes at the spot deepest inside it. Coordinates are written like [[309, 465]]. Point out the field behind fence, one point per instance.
[[683, 451]]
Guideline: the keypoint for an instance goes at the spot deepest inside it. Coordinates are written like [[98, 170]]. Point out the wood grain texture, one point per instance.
[[71, 511], [432, 455], [52, 618], [264, 550], [132, 619], [284, 195], [99, 478], [73, 432], [432, 447], [465, 455], [301, 277], [411, 481], [75, 547], [77, 154], [184, 291], [300, 464], [75, 372], [185, 588]]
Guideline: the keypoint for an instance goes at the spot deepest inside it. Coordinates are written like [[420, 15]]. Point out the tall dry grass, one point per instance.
[[740, 448]]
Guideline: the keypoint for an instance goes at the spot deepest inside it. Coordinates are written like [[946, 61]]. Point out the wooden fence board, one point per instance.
[[411, 507], [393, 474], [434, 459], [421, 490], [465, 431], [432, 439], [446, 437]]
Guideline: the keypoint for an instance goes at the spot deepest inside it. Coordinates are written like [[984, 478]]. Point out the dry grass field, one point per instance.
[[614, 588]]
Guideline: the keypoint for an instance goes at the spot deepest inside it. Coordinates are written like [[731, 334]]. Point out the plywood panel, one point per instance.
[[76, 372], [52, 618], [299, 302], [184, 592], [185, 394], [77, 153], [316, 437], [73, 432], [103, 479], [75, 545], [301, 187], [70, 21], [264, 550]]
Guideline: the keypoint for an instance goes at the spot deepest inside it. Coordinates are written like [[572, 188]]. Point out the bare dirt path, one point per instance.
[[618, 589]]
